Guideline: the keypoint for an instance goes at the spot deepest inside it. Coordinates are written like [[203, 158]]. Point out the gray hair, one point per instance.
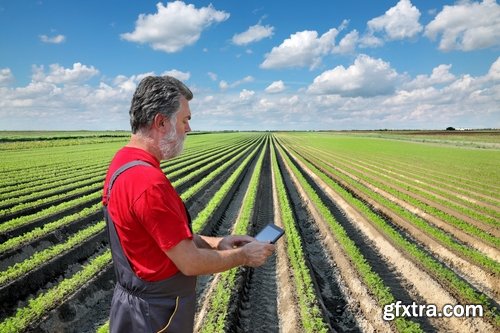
[[156, 94]]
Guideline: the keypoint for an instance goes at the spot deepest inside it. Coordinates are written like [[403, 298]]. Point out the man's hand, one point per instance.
[[233, 241], [256, 253]]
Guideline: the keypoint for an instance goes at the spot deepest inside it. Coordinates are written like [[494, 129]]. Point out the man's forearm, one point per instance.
[[206, 242], [194, 260]]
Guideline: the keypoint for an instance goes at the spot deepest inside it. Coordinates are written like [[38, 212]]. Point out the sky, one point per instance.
[[253, 65]]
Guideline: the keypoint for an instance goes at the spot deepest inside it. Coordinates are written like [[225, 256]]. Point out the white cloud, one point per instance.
[[440, 75], [253, 34], [175, 26], [348, 43], [246, 94], [464, 101], [62, 98], [126, 83], [430, 100], [182, 76], [223, 85], [275, 87], [246, 79], [60, 75], [466, 26], [58, 39], [302, 49], [6, 76], [494, 72], [367, 77], [212, 76], [370, 41], [399, 22]]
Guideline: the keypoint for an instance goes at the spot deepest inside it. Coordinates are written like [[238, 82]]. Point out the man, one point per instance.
[[155, 254]]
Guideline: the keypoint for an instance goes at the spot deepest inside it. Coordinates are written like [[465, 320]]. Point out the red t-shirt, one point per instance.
[[148, 213]]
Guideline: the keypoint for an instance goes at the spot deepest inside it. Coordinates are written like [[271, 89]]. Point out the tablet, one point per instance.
[[271, 233]]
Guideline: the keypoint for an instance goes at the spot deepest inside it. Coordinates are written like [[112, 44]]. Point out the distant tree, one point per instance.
[[450, 128]]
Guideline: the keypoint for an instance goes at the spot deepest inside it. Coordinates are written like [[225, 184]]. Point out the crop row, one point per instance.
[[33, 310], [472, 254], [465, 169], [430, 194], [36, 233], [88, 199], [457, 286], [95, 168], [27, 220], [218, 304], [372, 280], [25, 170], [310, 312], [201, 219], [26, 166], [38, 307], [208, 176], [427, 184], [41, 257], [43, 183], [476, 252]]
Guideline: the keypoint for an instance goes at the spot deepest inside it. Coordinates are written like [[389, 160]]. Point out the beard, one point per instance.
[[171, 145]]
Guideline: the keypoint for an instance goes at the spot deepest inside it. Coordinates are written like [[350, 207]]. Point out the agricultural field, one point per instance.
[[371, 219]]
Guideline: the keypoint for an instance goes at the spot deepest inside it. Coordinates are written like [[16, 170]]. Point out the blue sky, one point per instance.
[[253, 65]]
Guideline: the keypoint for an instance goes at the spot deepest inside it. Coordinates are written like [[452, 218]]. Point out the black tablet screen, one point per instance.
[[271, 233]]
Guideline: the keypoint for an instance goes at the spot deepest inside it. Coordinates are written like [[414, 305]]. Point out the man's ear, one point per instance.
[[160, 122]]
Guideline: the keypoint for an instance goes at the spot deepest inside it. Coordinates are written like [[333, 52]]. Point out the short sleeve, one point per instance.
[[161, 212]]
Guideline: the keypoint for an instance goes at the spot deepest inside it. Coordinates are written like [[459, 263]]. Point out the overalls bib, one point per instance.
[[142, 306]]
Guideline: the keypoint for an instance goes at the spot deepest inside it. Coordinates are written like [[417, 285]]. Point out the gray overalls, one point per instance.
[[141, 306]]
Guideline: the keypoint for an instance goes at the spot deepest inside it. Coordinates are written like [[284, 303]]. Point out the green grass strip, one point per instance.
[[201, 219], [43, 303], [23, 220], [20, 207], [193, 189], [39, 258], [16, 242], [104, 328], [310, 313], [40, 197]]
